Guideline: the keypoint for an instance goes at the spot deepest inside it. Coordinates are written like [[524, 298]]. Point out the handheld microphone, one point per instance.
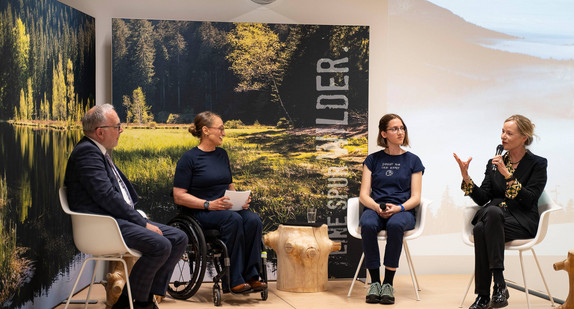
[[499, 150]]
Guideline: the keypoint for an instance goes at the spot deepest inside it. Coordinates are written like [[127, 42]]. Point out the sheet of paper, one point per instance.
[[237, 198]]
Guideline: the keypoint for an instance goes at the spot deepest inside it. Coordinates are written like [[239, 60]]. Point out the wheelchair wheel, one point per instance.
[[189, 272], [263, 271], [216, 295]]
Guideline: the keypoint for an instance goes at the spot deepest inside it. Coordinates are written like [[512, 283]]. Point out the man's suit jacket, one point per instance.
[[92, 186], [531, 173]]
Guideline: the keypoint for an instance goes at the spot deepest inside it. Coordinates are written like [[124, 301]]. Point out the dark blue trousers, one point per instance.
[[160, 253], [371, 224], [241, 233]]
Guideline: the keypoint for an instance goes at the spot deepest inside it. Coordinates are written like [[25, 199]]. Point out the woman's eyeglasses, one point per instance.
[[221, 129], [396, 129]]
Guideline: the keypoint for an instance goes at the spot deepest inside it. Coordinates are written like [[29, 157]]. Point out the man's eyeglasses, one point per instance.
[[221, 129], [118, 126], [396, 129]]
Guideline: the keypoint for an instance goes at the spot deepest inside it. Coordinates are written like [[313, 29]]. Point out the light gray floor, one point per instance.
[[438, 291]]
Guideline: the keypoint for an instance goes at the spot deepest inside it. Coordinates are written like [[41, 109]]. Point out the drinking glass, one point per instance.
[[311, 214]]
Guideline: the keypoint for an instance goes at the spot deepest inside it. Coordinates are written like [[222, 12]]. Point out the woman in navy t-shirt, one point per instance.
[[390, 190], [201, 177]]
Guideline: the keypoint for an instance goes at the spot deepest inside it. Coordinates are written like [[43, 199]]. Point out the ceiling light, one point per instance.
[[263, 1]]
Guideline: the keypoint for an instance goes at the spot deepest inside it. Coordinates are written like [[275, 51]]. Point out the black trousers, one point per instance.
[[496, 227]]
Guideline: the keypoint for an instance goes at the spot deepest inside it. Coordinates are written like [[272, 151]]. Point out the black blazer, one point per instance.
[[93, 188], [531, 173]]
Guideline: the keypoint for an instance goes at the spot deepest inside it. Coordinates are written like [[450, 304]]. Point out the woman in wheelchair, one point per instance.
[[201, 177]]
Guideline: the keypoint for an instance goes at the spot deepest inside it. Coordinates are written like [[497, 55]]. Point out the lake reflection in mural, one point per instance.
[[36, 251]]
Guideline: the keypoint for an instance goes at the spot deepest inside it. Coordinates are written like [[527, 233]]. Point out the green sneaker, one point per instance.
[[387, 294], [374, 293]]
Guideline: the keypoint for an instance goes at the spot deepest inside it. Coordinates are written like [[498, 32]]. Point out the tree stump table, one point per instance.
[[302, 257]]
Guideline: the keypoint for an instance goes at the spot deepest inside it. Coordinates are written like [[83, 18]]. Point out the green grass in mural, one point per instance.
[[13, 267], [280, 168]]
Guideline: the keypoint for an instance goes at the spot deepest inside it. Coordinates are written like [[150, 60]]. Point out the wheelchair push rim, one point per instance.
[[189, 272]]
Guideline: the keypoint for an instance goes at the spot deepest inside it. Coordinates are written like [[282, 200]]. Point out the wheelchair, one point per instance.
[[205, 247]]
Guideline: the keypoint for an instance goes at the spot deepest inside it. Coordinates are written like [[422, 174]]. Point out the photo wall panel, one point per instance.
[[294, 100]]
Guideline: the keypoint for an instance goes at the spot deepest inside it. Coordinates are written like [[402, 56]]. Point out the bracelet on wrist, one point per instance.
[[402, 207], [508, 177]]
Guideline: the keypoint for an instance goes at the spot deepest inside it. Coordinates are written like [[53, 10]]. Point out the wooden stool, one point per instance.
[[568, 266], [302, 257]]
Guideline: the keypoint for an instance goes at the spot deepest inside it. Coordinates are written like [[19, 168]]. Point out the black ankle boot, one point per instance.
[[481, 302], [500, 296]]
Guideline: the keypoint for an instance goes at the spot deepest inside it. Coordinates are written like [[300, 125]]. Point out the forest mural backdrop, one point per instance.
[[294, 100], [47, 81]]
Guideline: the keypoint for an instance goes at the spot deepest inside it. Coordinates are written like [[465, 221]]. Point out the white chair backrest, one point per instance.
[[97, 235], [353, 216], [468, 213], [545, 206], [421, 215]]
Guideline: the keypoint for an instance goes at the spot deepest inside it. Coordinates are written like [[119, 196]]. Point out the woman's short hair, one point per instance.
[[203, 119], [525, 127], [95, 117], [384, 123]]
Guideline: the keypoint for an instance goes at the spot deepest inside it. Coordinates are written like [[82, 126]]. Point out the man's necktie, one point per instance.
[[124, 188]]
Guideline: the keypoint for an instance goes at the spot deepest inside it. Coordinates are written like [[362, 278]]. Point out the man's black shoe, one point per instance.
[[481, 302], [500, 296], [144, 305], [122, 302]]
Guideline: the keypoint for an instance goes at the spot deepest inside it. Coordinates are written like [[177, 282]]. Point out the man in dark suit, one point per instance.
[[95, 185]]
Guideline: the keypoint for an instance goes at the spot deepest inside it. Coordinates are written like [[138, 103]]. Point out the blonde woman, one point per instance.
[[509, 194]]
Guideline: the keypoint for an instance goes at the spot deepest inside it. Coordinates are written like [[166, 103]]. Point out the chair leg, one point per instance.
[[467, 289], [356, 274], [130, 297], [91, 283], [543, 279], [412, 270], [76, 284], [524, 278]]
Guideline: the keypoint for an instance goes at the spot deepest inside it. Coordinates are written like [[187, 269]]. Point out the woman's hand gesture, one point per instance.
[[463, 165]]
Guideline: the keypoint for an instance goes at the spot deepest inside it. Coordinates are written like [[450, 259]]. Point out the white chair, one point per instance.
[[99, 236], [355, 230], [545, 206]]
